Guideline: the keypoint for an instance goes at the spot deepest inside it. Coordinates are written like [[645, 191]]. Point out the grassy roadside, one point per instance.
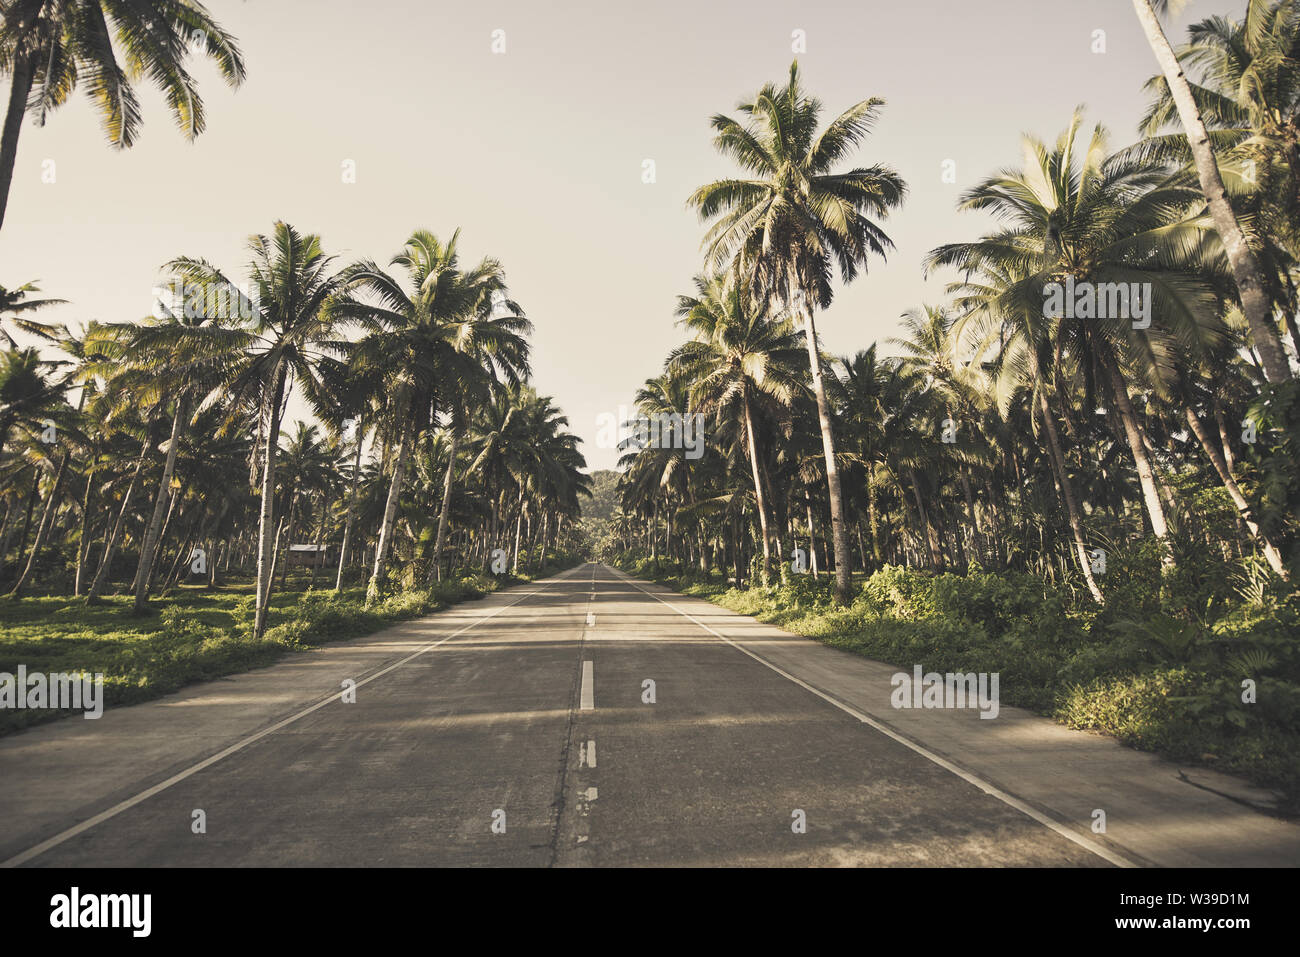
[[197, 634], [1155, 677]]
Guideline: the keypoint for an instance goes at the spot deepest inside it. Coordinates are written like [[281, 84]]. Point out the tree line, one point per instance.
[[1003, 431], [159, 440]]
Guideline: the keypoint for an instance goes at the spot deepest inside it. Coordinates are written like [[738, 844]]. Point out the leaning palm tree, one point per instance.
[[49, 46], [1110, 221], [1244, 76], [794, 219], [1246, 271]]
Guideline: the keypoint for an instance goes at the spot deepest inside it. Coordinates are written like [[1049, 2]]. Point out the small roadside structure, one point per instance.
[[310, 556]]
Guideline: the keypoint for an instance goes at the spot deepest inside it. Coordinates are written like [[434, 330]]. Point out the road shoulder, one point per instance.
[[1155, 815]]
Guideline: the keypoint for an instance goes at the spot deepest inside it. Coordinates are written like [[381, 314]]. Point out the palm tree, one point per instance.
[[84, 349], [348, 402], [1103, 220], [14, 305], [499, 445], [737, 359], [1247, 88], [49, 46], [27, 394], [307, 470], [488, 348], [1246, 271], [261, 358], [992, 310], [657, 469], [31, 400], [794, 220], [422, 341]]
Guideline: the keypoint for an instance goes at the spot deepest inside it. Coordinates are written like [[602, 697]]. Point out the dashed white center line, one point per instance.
[[100, 818], [591, 753], [588, 699]]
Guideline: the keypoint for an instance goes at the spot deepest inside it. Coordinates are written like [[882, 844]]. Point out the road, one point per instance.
[[530, 739]]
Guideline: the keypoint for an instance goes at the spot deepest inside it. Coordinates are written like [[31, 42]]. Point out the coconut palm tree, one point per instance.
[[793, 219], [48, 47], [348, 403], [1246, 271], [488, 351], [1102, 220], [257, 359], [422, 341], [1245, 80], [995, 316], [307, 470], [14, 307], [737, 359]]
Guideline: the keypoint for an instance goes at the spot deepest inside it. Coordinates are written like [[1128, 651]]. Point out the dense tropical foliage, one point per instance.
[[143, 455], [1097, 494]]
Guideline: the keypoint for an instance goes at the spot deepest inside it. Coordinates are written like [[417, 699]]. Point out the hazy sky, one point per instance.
[[537, 153]]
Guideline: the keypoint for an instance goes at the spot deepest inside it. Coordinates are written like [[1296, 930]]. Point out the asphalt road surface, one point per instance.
[[530, 739]]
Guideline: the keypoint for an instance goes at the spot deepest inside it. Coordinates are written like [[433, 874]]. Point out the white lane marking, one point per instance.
[[24, 856], [592, 794], [986, 787], [591, 753], [591, 619], [588, 698]]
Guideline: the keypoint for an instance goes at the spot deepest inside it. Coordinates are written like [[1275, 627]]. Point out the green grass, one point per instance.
[[1160, 672], [195, 634]]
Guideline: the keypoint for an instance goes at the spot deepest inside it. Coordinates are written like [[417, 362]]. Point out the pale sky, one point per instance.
[[537, 153]]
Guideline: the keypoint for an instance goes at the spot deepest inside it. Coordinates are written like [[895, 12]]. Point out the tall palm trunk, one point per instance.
[[352, 511], [1245, 267], [380, 572], [160, 504], [266, 532], [317, 559], [546, 527], [1212, 452], [873, 523], [933, 544], [759, 497], [20, 87], [43, 530], [7, 528], [110, 546], [440, 539], [1146, 473], [289, 529], [83, 539], [1067, 493], [519, 524], [812, 533], [839, 531], [972, 517]]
